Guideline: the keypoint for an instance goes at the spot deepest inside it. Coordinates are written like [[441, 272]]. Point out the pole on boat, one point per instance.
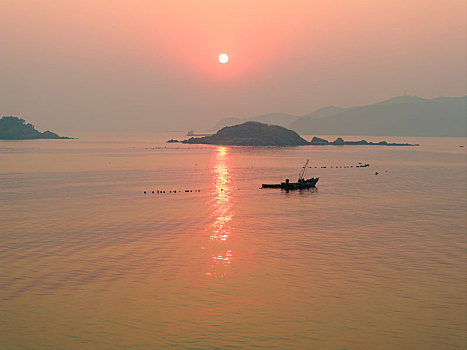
[[303, 172]]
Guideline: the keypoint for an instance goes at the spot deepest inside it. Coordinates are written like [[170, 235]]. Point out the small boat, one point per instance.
[[302, 183]]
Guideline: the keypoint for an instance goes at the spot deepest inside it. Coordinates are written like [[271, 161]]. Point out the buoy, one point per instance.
[[153, 192], [157, 191], [144, 192]]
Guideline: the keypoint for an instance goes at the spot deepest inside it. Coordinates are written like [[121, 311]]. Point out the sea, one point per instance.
[[128, 242]]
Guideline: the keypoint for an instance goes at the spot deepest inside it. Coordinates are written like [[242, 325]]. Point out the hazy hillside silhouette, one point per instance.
[[398, 116]]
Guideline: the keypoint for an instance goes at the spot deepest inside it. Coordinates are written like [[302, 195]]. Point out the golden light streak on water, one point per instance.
[[221, 211]]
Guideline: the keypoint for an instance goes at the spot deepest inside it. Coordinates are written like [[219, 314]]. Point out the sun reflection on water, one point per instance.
[[221, 212]]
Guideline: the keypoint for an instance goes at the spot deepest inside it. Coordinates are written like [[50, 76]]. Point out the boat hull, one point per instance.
[[293, 185], [271, 186]]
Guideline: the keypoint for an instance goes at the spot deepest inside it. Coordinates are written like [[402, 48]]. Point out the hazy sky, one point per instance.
[[76, 65]]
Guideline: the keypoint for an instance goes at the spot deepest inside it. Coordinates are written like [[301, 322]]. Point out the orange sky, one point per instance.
[[152, 65]]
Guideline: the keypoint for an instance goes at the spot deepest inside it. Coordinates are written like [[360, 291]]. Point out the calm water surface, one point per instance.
[[364, 261]]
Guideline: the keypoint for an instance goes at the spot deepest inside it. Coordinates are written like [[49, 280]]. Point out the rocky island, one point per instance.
[[316, 141], [13, 128], [260, 134], [251, 134]]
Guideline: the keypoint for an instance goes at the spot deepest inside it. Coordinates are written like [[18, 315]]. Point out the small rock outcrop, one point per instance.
[[319, 141], [339, 141]]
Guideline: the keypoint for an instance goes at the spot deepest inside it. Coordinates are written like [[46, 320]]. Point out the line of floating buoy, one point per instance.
[[172, 191], [360, 165]]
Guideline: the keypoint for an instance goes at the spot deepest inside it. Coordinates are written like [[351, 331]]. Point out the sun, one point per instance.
[[223, 58]]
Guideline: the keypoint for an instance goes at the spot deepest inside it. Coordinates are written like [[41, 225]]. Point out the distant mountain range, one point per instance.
[[398, 116]]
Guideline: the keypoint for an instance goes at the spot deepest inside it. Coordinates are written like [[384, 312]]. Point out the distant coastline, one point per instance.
[[13, 128], [261, 134]]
